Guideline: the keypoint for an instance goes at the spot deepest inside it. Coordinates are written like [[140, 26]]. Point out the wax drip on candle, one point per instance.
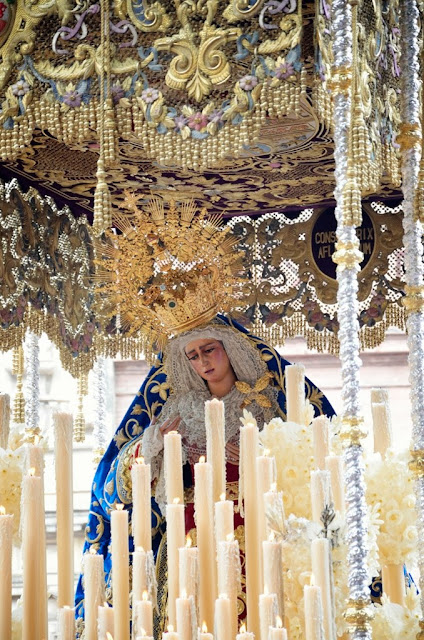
[[204, 627], [279, 622], [189, 541], [2, 511]]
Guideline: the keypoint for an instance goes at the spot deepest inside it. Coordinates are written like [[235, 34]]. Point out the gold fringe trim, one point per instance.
[[18, 371]]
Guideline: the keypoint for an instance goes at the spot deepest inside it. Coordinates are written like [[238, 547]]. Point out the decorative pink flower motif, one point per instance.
[[150, 95], [373, 312], [284, 71], [72, 98], [247, 83], [197, 121]]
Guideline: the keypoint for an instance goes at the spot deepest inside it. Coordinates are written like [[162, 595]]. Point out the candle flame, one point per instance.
[[36, 440], [202, 459], [140, 460], [230, 537], [273, 486], [92, 551], [223, 595], [204, 627], [176, 501], [105, 604], [143, 633], [271, 536], [279, 623], [266, 590], [145, 596], [109, 636], [243, 628], [31, 472], [139, 549], [119, 507], [222, 497], [266, 452], [169, 432], [184, 593], [2, 511], [170, 628], [312, 580], [189, 541]]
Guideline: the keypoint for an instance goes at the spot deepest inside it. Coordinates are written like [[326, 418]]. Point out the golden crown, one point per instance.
[[167, 270]]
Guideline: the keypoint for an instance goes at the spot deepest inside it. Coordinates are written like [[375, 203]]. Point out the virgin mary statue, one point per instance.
[[206, 355]]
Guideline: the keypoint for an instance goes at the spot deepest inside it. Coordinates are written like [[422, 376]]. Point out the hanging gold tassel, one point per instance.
[[18, 371], [79, 422]]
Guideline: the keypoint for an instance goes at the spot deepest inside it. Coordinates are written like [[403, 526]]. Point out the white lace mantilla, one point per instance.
[[190, 406]]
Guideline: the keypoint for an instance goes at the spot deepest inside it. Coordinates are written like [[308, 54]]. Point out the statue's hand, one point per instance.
[[171, 424]]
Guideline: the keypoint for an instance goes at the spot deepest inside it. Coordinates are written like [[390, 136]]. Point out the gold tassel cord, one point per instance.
[[79, 422], [18, 371]]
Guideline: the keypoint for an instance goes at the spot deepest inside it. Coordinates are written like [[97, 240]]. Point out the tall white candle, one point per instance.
[[32, 507], [175, 528], [64, 509], [173, 465], [334, 464], [273, 571], [265, 469], [141, 514], [229, 577], [143, 617], [6, 537], [249, 439], [295, 392], [105, 618], [379, 395], [322, 571], [4, 419], [223, 626], [382, 427], [184, 610], [267, 613], [321, 440], [203, 503], [34, 459], [94, 593], [215, 444], [314, 629], [224, 519], [188, 569], [320, 493], [66, 623], [120, 573]]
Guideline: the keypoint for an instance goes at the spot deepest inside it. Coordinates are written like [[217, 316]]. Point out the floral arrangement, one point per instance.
[[11, 467], [394, 621], [291, 445], [395, 501]]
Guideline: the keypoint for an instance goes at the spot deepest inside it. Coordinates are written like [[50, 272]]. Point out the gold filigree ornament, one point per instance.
[[352, 430], [348, 255], [253, 394], [416, 465], [359, 615], [166, 270]]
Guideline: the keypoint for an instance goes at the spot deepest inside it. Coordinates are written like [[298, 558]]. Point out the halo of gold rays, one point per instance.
[[165, 269]]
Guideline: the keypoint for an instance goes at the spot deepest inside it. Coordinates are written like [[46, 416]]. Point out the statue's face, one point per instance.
[[209, 359]]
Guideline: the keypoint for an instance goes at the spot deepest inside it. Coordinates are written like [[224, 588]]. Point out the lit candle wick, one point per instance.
[[202, 459], [2, 511], [204, 627], [140, 460]]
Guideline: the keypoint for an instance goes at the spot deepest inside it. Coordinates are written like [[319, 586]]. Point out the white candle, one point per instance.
[[273, 571], [120, 573], [173, 465], [265, 469], [229, 577], [322, 571], [64, 509], [295, 392], [34, 459], [320, 493], [314, 629], [94, 592], [278, 632], [141, 514], [184, 607], [170, 634], [334, 464], [379, 395], [321, 440], [66, 623], [4, 420], [105, 619], [223, 626], [188, 569], [6, 537], [205, 540], [215, 444], [249, 439], [175, 528], [224, 519], [32, 507], [203, 633], [382, 428], [139, 573], [267, 613], [143, 617], [245, 635]]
